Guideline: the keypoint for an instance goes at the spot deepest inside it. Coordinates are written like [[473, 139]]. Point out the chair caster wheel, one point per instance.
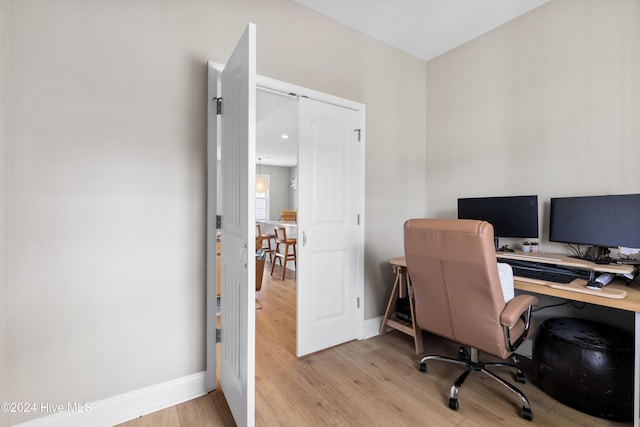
[[423, 367], [453, 404], [527, 414], [520, 378]]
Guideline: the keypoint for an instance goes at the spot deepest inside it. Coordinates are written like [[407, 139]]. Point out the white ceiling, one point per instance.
[[276, 114], [423, 28]]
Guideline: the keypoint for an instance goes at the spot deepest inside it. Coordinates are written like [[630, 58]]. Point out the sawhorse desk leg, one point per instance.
[[401, 289]]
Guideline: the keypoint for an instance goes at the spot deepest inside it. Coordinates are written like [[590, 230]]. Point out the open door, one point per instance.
[[237, 260], [330, 189]]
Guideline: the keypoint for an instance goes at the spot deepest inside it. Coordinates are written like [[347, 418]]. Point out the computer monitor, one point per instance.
[[601, 222], [511, 216]]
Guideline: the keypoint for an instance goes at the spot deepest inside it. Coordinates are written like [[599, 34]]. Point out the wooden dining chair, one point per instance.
[[262, 238], [282, 252]]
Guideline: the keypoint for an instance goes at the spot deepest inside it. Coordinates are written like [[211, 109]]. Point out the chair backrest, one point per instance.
[[258, 231], [281, 233], [453, 269]]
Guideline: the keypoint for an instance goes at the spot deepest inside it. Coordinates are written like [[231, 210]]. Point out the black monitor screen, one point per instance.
[[513, 216], [602, 221]]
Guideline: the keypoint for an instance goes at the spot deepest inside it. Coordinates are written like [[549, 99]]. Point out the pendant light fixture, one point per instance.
[[262, 183]]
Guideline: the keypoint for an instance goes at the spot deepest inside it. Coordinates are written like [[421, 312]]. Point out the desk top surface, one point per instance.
[[631, 302], [400, 262], [567, 261]]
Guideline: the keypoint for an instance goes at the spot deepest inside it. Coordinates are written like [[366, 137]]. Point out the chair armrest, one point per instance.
[[516, 308]]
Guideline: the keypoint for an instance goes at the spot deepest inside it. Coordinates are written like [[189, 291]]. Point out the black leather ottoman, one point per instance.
[[586, 365]]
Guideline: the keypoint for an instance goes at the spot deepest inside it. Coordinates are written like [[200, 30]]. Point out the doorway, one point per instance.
[[326, 183], [318, 126], [276, 175]]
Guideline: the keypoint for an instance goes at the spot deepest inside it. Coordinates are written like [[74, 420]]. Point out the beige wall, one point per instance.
[[3, 211], [105, 140], [106, 198], [547, 104]]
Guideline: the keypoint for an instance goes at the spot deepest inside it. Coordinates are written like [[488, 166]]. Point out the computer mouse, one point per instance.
[[592, 284]]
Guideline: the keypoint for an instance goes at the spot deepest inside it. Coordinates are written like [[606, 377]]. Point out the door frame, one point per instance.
[[292, 89]]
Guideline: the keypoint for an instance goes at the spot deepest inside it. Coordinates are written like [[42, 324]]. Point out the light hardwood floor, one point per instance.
[[374, 382]]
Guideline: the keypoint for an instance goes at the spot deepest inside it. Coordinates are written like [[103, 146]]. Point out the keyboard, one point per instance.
[[539, 271], [547, 276]]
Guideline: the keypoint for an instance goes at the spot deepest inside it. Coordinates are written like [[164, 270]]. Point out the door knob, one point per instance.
[[242, 256]]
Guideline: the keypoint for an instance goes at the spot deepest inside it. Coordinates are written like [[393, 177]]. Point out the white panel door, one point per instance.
[[237, 308], [329, 195]]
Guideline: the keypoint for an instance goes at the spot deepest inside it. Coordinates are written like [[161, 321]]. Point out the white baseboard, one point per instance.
[[126, 406], [372, 327]]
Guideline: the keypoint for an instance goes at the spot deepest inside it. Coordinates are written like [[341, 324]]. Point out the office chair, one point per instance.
[[458, 295]]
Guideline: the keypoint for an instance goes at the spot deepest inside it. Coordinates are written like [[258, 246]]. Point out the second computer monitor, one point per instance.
[[511, 216], [607, 221]]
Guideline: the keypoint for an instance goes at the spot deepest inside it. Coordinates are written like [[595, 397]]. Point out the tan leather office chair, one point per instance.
[[453, 269], [282, 252]]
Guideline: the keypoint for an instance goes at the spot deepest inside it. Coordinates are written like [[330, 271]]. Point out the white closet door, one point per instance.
[[329, 194]]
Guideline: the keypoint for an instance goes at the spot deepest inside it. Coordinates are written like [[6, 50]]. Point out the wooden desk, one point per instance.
[[402, 288]]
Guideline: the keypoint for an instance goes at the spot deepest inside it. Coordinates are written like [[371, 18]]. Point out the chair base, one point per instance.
[[472, 363]]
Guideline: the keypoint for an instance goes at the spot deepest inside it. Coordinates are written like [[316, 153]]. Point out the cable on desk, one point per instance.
[[577, 251], [578, 305], [575, 304], [538, 308]]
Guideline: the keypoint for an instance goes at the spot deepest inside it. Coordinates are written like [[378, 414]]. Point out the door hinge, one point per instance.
[[218, 102], [358, 302], [218, 335], [358, 220], [359, 131]]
